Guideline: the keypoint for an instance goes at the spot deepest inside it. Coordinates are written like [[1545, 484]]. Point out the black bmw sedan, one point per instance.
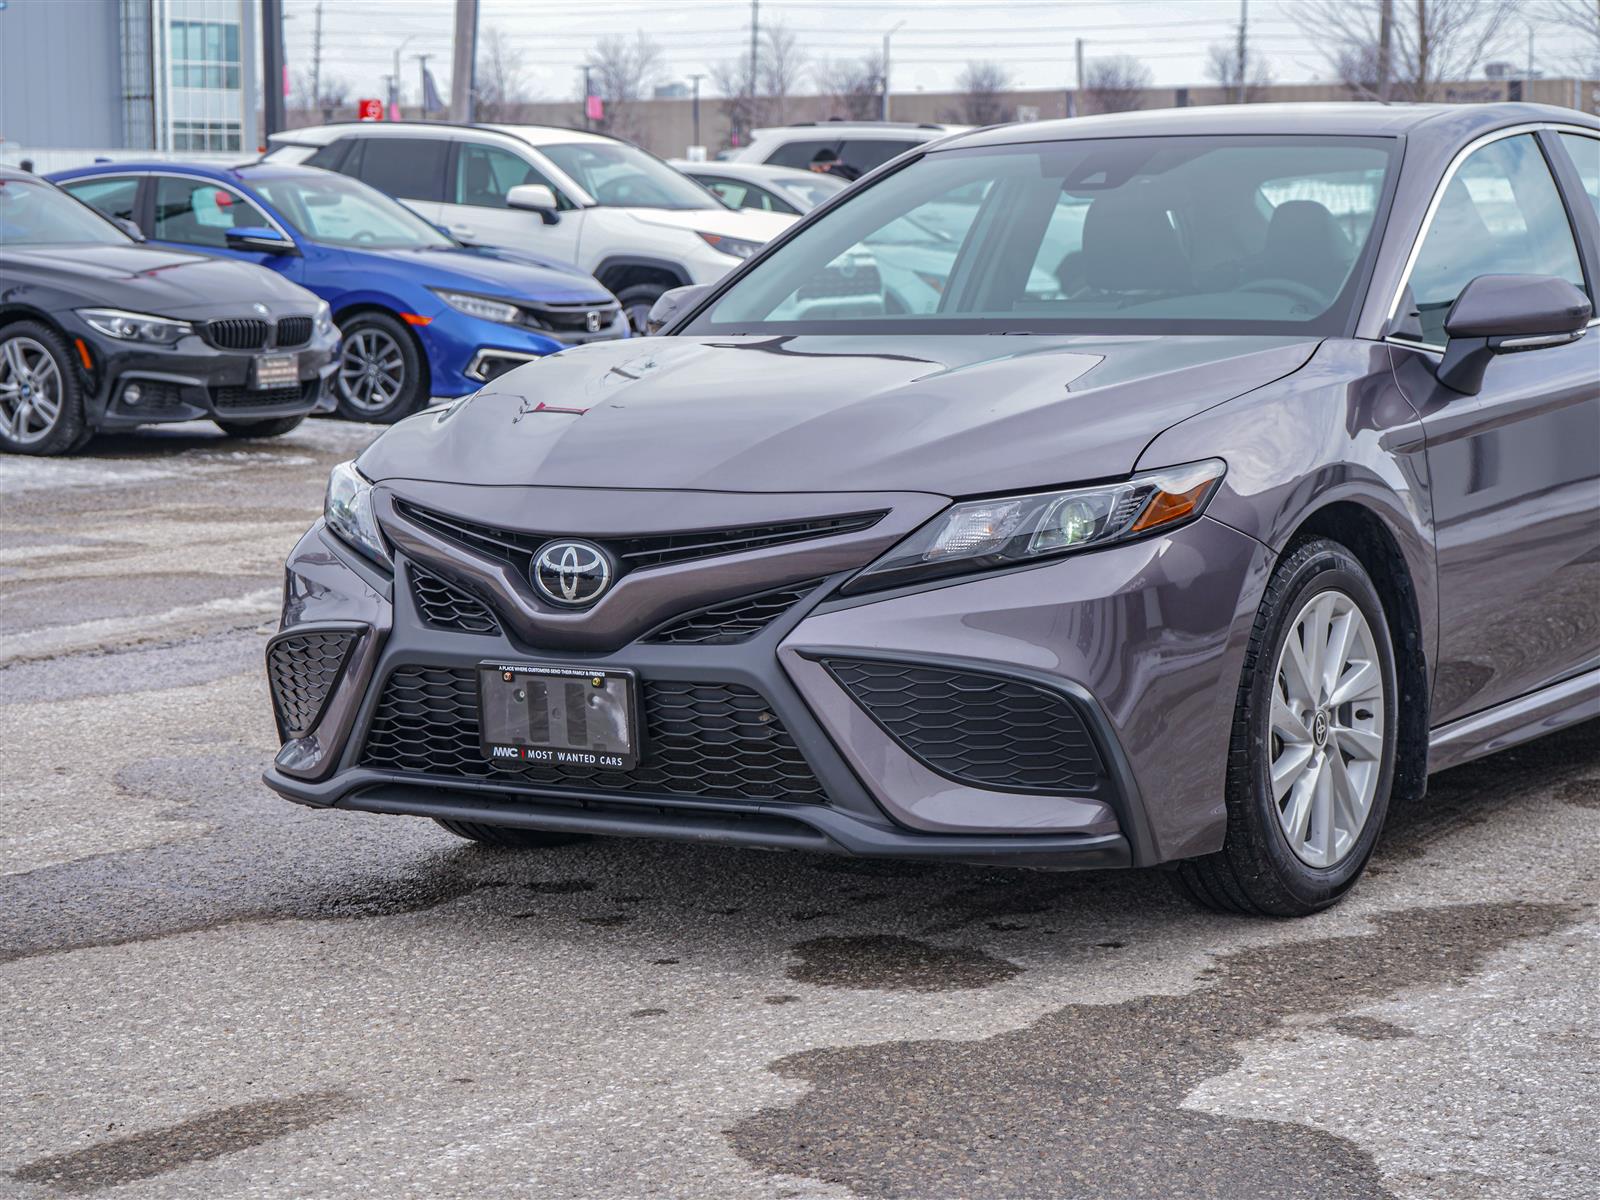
[[98, 332]]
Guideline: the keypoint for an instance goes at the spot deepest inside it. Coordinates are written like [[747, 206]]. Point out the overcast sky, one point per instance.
[[1033, 38]]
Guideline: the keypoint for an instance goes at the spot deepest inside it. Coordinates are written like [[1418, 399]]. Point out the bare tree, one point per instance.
[[335, 92], [1116, 84], [982, 86], [624, 71], [781, 65], [501, 77], [1579, 21], [853, 87], [1432, 42], [1223, 68]]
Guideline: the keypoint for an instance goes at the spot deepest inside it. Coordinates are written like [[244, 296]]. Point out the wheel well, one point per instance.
[[1365, 535], [355, 310], [622, 276]]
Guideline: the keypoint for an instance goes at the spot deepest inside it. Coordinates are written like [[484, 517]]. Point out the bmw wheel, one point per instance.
[[381, 375], [1313, 752], [41, 403]]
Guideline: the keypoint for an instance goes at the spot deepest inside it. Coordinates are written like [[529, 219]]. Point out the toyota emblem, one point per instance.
[[572, 574], [592, 319]]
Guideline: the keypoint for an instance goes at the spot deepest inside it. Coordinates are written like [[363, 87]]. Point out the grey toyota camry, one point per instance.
[[1168, 489]]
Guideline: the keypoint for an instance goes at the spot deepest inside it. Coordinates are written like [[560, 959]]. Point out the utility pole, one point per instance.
[[422, 84], [755, 50], [316, 60], [1077, 89], [883, 114], [588, 91], [1385, 42], [695, 110], [463, 62], [272, 66], [1529, 75], [1244, 18], [394, 98]]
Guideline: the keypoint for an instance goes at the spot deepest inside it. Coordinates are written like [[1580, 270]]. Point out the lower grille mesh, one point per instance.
[[302, 669], [716, 740], [986, 730]]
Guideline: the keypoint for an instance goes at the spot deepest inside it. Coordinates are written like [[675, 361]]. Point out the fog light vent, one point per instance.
[[302, 669]]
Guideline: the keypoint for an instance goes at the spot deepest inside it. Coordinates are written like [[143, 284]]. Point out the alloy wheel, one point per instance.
[[31, 390], [372, 370], [1327, 729]]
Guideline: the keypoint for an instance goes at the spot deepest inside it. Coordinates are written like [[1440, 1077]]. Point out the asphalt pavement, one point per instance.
[[208, 992]]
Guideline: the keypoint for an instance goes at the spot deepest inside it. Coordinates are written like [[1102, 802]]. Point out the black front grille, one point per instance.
[[445, 606], [571, 318], [294, 331], [237, 333], [733, 620], [637, 553], [714, 740], [987, 730], [302, 669], [235, 396]]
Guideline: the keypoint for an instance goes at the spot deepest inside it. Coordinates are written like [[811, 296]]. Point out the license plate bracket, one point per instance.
[[275, 371], [574, 717]]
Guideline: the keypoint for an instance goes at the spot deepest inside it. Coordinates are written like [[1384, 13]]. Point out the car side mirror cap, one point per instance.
[[260, 239], [1508, 314], [534, 197], [672, 303], [131, 228]]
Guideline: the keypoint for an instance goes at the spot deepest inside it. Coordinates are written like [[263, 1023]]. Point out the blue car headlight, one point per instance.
[[485, 308]]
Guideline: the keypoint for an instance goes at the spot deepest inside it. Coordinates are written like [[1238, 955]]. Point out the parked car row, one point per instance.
[[432, 258]]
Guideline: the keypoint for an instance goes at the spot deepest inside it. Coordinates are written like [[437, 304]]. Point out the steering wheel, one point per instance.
[[1292, 288]]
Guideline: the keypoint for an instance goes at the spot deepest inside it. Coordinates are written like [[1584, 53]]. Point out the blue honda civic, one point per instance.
[[420, 314]]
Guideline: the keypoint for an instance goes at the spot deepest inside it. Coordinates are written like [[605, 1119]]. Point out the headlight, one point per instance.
[[482, 306], [324, 318], [135, 327], [348, 511], [984, 534], [738, 247]]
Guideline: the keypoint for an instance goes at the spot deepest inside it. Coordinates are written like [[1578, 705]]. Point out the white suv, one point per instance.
[[862, 145], [606, 206]]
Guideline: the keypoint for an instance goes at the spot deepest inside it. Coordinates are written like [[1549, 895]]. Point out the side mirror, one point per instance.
[[671, 303], [534, 197], [260, 239], [1507, 314], [131, 228]]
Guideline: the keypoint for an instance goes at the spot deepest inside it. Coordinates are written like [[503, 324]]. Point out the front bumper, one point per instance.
[[191, 380], [465, 352], [1144, 641]]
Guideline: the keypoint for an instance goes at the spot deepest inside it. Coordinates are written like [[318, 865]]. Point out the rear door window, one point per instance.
[[198, 212], [408, 168], [799, 154], [116, 196]]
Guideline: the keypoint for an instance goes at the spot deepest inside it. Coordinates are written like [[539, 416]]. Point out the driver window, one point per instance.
[[199, 213], [1500, 215], [484, 174]]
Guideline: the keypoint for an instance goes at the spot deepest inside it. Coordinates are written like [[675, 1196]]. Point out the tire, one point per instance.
[[507, 837], [381, 376], [270, 428], [1301, 855], [41, 397], [637, 301]]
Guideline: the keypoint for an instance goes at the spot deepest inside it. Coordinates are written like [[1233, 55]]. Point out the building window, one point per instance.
[[206, 136], [205, 54]]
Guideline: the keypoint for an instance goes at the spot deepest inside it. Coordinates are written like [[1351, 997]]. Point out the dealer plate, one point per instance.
[[275, 371], [570, 717]]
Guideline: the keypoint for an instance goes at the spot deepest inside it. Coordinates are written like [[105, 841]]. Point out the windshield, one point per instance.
[[344, 212], [1132, 235], [811, 189], [624, 176], [36, 214]]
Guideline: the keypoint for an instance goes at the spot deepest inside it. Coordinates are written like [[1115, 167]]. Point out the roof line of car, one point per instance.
[[286, 138]]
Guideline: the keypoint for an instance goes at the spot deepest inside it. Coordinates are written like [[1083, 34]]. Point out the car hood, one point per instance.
[[497, 272], [150, 279], [956, 416], [725, 222]]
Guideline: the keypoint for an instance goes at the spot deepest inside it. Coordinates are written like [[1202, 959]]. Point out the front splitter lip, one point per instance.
[[769, 825]]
